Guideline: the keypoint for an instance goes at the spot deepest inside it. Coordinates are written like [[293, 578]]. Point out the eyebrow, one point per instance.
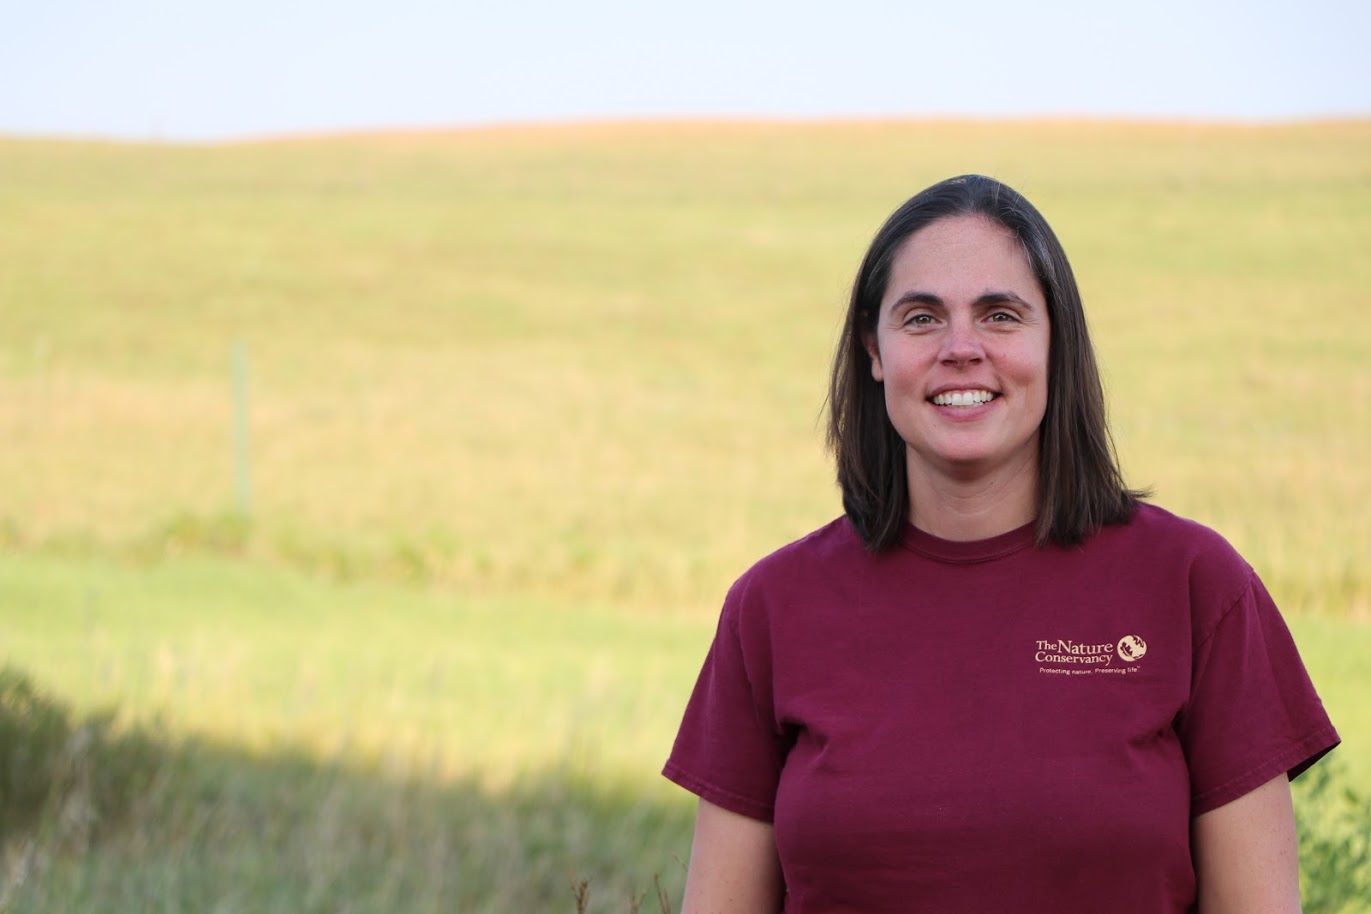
[[993, 297]]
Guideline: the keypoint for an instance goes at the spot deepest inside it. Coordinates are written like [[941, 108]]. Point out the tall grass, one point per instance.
[[105, 821]]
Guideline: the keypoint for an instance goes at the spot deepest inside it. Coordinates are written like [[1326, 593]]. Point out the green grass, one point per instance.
[[373, 747], [429, 752], [380, 674], [523, 404]]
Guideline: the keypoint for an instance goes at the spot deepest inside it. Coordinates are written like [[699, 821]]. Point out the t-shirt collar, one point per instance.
[[967, 551]]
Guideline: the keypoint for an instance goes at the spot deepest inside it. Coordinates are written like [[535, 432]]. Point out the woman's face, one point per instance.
[[961, 346]]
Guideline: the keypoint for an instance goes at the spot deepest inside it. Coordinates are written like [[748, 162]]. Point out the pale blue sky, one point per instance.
[[187, 70]]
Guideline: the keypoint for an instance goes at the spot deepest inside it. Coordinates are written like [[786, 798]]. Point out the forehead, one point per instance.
[[962, 257]]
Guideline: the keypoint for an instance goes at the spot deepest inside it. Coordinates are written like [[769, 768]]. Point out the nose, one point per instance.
[[961, 344]]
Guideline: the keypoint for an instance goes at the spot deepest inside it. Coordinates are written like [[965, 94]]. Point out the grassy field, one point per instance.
[[522, 404], [369, 747], [320, 746]]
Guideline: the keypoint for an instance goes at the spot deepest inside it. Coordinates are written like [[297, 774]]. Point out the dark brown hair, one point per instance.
[[1080, 486]]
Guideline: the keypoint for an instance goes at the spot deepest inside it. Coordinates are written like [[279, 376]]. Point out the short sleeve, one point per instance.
[[729, 749], [1252, 712]]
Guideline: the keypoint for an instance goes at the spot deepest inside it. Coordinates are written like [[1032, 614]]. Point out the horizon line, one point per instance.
[[673, 122]]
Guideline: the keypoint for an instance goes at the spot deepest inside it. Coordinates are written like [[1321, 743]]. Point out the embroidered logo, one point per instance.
[[1069, 657]]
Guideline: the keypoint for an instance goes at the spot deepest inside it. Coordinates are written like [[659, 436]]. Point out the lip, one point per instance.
[[949, 388], [964, 413]]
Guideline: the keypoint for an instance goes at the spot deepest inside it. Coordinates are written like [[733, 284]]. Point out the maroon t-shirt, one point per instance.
[[992, 726]]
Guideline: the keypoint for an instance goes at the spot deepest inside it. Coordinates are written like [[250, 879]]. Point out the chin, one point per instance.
[[969, 460]]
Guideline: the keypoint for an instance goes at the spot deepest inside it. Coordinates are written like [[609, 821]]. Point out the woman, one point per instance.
[[1000, 682]]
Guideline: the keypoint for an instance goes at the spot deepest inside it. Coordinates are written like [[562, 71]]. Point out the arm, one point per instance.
[[733, 865], [1246, 857]]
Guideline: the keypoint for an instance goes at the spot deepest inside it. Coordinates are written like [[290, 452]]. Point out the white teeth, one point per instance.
[[964, 398]]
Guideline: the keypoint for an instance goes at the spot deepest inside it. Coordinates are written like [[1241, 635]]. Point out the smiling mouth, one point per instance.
[[963, 398]]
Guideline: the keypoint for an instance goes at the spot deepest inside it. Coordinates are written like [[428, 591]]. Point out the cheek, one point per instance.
[[1040, 389], [1041, 373], [1036, 369]]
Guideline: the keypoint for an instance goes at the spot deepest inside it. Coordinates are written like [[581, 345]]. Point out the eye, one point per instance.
[[918, 319], [1003, 317]]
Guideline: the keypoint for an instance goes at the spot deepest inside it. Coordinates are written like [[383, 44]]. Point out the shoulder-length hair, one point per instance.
[[1080, 487]]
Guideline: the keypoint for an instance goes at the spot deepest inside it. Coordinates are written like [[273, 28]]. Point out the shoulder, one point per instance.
[[1158, 533], [835, 543], [1186, 555], [1161, 527], [827, 555]]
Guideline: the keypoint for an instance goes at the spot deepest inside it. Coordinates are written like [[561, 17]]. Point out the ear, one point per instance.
[[874, 351]]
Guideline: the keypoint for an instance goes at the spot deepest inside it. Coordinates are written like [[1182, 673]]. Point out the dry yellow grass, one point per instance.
[[589, 362]]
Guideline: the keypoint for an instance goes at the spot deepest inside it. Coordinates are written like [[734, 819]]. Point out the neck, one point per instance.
[[964, 506]]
